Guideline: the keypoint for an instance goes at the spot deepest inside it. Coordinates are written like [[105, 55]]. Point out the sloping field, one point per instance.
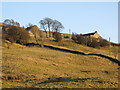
[[114, 51], [46, 68]]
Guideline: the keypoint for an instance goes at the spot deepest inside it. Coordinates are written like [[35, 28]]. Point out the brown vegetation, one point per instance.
[[89, 41], [15, 34], [57, 36]]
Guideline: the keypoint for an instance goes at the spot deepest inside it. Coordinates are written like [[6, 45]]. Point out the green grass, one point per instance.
[[32, 65]]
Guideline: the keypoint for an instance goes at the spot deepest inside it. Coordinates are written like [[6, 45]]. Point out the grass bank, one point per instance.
[[46, 68]]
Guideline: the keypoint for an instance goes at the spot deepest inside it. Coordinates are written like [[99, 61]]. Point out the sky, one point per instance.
[[79, 17]]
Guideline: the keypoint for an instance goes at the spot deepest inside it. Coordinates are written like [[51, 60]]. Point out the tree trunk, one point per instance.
[[49, 31], [46, 34]]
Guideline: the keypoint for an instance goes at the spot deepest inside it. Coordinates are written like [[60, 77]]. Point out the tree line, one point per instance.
[[12, 31], [53, 26], [89, 41]]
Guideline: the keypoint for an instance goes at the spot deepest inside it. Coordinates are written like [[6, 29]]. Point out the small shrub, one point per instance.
[[74, 37], [57, 36], [103, 43], [66, 36], [81, 39], [95, 43]]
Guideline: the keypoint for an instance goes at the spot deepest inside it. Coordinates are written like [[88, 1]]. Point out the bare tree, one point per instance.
[[11, 22], [46, 24], [57, 26], [17, 24], [43, 25], [7, 21], [49, 23]]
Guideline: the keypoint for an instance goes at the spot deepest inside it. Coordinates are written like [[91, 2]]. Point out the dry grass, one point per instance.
[[114, 51], [31, 65]]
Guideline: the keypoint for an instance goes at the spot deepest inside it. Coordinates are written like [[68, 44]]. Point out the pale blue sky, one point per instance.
[[80, 17]]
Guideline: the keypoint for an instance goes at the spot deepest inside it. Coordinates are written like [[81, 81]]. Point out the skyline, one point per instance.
[[79, 17]]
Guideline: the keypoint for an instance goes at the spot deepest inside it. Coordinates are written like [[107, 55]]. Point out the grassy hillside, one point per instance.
[[46, 68], [114, 51]]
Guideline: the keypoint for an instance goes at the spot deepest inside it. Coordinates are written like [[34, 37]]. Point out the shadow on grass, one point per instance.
[[82, 53], [31, 44], [65, 50], [66, 79], [107, 57]]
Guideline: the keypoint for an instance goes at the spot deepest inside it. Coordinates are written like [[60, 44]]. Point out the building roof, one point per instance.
[[88, 34]]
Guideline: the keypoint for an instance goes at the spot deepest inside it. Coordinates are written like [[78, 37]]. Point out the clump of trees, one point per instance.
[[46, 24], [14, 33], [89, 41], [54, 26]]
